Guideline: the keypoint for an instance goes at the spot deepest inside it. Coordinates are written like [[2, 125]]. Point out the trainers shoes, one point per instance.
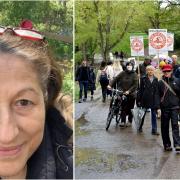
[[80, 101], [84, 99], [128, 124], [168, 148], [122, 124], [155, 133], [91, 98], [177, 148]]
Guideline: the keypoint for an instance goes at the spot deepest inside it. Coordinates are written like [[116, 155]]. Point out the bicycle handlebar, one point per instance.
[[116, 90]]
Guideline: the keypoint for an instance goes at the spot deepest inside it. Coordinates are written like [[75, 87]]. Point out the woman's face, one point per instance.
[[150, 71], [22, 115]]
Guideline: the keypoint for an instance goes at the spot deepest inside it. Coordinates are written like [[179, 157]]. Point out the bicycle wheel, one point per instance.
[[109, 118]]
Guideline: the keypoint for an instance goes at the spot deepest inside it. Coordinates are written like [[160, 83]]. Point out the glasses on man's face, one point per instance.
[[25, 33]]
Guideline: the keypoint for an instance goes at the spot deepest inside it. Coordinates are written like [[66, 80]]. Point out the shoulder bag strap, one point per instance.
[[169, 87]]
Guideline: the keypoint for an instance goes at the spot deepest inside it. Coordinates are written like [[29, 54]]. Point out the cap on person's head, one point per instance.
[[167, 67], [147, 58]]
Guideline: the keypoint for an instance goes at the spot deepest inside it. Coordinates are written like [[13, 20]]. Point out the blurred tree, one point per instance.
[[53, 18]]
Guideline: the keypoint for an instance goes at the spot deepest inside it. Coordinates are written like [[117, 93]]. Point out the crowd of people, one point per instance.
[[153, 86]]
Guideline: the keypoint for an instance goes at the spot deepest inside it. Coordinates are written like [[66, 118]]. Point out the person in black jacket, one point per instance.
[[142, 67], [149, 97], [169, 90], [127, 81], [82, 76], [92, 81], [33, 133]]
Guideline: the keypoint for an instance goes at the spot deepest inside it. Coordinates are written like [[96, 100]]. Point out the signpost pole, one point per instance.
[[139, 73], [158, 58]]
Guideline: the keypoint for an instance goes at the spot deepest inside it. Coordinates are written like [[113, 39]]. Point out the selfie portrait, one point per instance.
[[36, 111]]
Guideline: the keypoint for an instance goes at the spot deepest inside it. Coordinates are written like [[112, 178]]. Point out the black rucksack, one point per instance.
[[104, 78]]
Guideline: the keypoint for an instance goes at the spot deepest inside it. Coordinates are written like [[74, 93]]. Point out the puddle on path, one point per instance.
[[79, 123], [99, 161]]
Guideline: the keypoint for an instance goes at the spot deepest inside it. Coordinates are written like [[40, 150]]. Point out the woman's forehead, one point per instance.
[[13, 68], [13, 62]]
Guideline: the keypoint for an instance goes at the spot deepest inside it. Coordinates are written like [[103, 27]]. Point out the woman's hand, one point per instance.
[[126, 92], [158, 113], [109, 87]]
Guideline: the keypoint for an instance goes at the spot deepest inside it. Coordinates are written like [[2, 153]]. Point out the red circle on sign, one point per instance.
[[169, 41], [136, 44], [157, 40]]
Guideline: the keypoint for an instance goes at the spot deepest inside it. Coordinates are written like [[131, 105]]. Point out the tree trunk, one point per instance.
[[100, 30]]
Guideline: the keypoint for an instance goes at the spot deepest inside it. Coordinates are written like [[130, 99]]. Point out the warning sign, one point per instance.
[[137, 46], [170, 41], [157, 41]]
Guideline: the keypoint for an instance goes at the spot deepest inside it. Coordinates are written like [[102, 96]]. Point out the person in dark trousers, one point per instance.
[[82, 76], [142, 67], [121, 55], [102, 78], [169, 90], [149, 97], [92, 81], [127, 81]]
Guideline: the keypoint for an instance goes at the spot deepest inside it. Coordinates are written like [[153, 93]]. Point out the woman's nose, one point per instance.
[[8, 126]]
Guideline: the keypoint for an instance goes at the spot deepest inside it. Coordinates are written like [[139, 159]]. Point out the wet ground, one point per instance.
[[118, 153]]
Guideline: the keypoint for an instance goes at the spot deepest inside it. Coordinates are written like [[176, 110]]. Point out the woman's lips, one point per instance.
[[10, 151]]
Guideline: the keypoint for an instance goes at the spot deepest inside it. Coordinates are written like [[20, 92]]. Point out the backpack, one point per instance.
[[104, 78]]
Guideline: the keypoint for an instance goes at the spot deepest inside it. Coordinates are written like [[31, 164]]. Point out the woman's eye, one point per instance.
[[24, 102]]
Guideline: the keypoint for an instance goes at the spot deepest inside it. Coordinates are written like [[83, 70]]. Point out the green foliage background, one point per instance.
[[47, 16], [113, 16]]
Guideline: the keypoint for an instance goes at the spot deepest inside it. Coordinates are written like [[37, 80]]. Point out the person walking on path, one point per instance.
[[142, 67], [169, 90], [92, 81], [127, 81], [82, 76], [110, 75], [149, 97], [102, 78]]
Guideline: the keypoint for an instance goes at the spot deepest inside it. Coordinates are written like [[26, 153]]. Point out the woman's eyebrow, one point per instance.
[[28, 89]]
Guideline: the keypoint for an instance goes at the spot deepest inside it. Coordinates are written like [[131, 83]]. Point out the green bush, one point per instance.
[[68, 84], [78, 57]]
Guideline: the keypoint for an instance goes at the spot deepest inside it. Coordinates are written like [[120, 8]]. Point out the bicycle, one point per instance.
[[115, 107]]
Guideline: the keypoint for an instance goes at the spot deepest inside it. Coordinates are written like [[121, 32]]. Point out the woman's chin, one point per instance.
[[13, 169]]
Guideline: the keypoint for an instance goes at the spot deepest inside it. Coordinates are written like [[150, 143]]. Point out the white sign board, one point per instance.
[[137, 45], [157, 41], [170, 41]]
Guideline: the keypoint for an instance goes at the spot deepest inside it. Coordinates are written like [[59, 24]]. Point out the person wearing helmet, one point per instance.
[[169, 90], [127, 81]]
